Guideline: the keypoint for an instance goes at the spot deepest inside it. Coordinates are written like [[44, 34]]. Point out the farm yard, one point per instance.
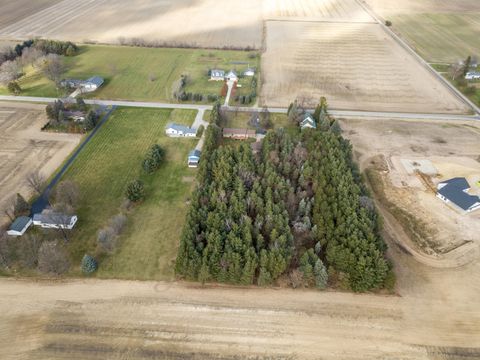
[[102, 170], [356, 66], [134, 73], [185, 22], [414, 216], [440, 31], [25, 149]]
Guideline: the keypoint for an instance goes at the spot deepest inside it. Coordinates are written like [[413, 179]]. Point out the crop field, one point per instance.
[[356, 66], [192, 22], [440, 31], [330, 10], [24, 149], [141, 73], [102, 170]]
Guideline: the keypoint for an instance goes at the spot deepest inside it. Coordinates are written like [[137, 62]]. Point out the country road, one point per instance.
[[202, 107]]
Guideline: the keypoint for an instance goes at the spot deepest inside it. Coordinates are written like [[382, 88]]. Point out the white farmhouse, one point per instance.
[[308, 122], [55, 221], [231, 76], [93, 83], [176, 130], [217, 75], [472, 75], [249, 72]]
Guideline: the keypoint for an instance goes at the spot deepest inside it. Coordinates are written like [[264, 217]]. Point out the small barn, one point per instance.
[[55, 221], [194, 158], [19, 226], [217, 75], [239, 134], [93, 83], [177, 130], [308, 122], [455, 192]]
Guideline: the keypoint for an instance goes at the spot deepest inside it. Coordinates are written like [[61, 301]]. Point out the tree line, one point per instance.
[[294, 210]]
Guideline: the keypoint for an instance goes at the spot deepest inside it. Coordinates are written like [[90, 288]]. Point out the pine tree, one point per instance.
[[89, 264], [135, 191]]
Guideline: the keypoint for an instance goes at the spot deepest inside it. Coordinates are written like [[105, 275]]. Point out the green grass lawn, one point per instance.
[[240, 120], [441, 37], [128, 71], [147, 248]]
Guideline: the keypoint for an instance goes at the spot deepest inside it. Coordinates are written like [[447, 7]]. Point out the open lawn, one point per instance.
[[240, 119], [134, 73], [147, 247]]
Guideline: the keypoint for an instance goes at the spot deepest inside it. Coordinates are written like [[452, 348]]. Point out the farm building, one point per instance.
[[240, 134], [217, 75], [88, 85], [55, 221], [308, 122], [472, 75], [455, 191], [77, 116], [19, 226], [176, 130], [249, 72], [231, 76], [194, 158]]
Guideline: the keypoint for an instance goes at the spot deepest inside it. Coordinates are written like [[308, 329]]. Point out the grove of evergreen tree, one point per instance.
[[299, 204]]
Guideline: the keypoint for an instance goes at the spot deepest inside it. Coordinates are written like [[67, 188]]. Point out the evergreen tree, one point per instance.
[[135, 191], [89, 264]]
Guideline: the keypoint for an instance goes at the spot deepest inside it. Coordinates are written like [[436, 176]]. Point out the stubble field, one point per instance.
[[24, 149], [440, 31], [356, 66]]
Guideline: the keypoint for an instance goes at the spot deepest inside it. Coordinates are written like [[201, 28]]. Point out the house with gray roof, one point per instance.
[[19, 226], [217, 75], [308, 122], [194, 158], [231, 76], [455, 192], [177, 130], [55, 221], [88, 85]]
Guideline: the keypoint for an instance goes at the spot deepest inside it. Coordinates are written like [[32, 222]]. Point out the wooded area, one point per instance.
[[294, 209]]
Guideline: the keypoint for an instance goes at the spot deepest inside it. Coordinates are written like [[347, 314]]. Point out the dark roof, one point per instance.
[[20, 223], [454, 190], [195, 153], [96, 80]]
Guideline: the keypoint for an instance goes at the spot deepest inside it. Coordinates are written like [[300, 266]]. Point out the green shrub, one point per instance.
[[135, 191], [89, 264]]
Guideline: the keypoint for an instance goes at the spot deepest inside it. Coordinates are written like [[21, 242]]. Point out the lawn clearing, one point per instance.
[[102, 170], [240, 119], [143, 74]]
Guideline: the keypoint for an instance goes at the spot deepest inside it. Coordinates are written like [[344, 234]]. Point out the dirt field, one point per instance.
[[318, 10], [24, 148], [356, 66], [13, 11], [196, 22], [445, 236], [389, 7]]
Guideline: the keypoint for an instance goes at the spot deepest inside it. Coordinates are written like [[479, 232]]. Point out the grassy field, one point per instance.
[[147, 247], [441, 37], [134, 73], [241, 119]]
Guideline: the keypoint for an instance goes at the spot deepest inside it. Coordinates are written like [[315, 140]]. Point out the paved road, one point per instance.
[[203, 107]]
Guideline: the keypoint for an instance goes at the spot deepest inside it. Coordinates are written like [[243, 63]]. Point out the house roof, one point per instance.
[[231, 73], [195, 153], [454, 190], [249, 70], [182, 128], [308, 120], [53, 218], [20, 223], [96, 80], [217, 72]]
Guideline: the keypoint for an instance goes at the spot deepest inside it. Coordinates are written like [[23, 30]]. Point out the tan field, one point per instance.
[[24, 149], [436, 233], [442, 31], [356, 66], [197, 23], [13, 11]]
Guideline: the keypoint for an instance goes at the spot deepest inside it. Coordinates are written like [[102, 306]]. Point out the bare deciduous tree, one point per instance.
[[35, 181], [106, 239], [53, 67], [117, 223], [52, 258], [67, 195], [30, 55], [9, 71]]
